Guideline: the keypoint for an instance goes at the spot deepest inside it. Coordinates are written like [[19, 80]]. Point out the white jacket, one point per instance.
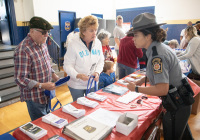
[[192, 53], [79, 60]]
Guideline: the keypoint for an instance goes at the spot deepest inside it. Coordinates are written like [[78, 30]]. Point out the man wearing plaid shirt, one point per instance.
[[33, 72]]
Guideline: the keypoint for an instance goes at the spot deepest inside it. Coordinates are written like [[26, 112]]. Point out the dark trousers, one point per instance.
[[177, 128]]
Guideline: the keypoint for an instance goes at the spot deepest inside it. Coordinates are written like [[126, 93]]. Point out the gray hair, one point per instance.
[[103, 34]]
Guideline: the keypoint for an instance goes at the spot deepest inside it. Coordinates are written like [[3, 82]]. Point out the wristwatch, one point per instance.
[[136, 89], [40, 86]]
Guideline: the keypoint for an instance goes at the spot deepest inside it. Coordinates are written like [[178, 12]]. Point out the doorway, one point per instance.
[[66, 23], [4, 25]]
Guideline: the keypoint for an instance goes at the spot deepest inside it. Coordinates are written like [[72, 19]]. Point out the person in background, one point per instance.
[[70, 36], [173, 44], [84, 57], [128, 55], [107, 77], [183, 42], [164, 74], [197, 26], [33, 72], [192, 52], [118, 32], [104, 36]]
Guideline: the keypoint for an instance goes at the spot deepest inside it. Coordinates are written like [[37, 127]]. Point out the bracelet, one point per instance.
[[136, 89]]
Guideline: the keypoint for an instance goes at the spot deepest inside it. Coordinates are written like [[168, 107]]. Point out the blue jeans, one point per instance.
[[37, 110], [124, 70], [76, 93]]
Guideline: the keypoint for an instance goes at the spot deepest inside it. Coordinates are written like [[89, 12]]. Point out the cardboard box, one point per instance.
[[127, 123]]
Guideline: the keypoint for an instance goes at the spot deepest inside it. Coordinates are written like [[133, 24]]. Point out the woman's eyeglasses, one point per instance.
[[44, 32]]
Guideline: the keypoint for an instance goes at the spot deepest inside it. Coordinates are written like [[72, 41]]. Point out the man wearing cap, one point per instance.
[[33, 72], [164, 74], [118, 32]]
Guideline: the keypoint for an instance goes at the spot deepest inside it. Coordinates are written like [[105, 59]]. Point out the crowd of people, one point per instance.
[[89, 54]]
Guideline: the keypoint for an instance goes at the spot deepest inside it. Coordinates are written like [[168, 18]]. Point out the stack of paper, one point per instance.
[[54, 120], [136, 76], [130, 96], [33, 131], [86, 102], [70, 109], [105, 116], [123, 82], [86, 128], [95, 96]]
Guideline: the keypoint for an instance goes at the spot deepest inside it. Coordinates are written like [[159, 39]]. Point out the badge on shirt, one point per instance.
[[157, 65]]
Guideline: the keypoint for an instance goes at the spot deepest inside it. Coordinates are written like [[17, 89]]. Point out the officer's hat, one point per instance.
[[40, 23], [145, 20]]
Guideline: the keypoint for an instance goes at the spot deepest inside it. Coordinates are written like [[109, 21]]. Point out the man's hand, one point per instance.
[[82, 77], [55, 77], [48, 86]]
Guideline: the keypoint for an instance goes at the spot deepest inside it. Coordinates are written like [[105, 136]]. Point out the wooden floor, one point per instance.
[[15, 115]]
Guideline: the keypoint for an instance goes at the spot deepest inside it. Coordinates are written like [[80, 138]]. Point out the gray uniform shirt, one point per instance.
[[163, 65]]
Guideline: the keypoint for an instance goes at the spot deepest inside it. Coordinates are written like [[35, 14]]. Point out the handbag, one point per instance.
[[52, 94], [89, 85]]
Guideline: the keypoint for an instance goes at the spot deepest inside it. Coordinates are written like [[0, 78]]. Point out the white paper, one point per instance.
[[130, 96], [106, 117]]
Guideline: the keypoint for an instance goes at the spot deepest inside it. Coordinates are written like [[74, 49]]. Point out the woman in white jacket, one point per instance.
[[84, 57], [192, 52]]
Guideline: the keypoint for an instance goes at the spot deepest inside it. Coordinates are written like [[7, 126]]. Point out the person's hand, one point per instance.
[[96, 76], [55, 77], [48, 86], [139, 82], [131, 86], [82, 77]]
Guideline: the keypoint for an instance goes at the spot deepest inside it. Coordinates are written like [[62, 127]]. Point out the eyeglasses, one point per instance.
[[44, 32], [140, 100]]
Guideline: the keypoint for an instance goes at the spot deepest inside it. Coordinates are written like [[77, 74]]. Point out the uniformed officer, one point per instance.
[[163, 71]]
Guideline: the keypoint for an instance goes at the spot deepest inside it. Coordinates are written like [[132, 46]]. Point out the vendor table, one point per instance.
[[147, 112]]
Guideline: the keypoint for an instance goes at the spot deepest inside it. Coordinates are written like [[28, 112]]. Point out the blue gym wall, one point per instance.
[[129, 14]]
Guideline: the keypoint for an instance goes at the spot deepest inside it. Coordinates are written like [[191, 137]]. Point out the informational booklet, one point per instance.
[[54, 120], [87, 102], [86, 128], [95, 96], [115, 89], [70, 109], [56, 137], [33, 131]]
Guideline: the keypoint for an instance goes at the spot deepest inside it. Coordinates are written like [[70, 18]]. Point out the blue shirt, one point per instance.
[[105, 79]]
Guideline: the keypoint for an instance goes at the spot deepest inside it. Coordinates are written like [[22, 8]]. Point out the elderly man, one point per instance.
[[33, 72]]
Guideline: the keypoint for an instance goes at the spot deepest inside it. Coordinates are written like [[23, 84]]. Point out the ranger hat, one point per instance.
[[145, 20], [40, 23]]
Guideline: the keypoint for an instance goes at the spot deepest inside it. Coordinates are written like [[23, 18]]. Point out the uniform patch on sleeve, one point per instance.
[[157, 65]]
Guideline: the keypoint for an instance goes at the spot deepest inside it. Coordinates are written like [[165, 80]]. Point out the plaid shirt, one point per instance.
[[32, 65]]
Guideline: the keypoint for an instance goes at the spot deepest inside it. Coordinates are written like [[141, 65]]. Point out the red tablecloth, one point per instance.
[[146, 112]]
